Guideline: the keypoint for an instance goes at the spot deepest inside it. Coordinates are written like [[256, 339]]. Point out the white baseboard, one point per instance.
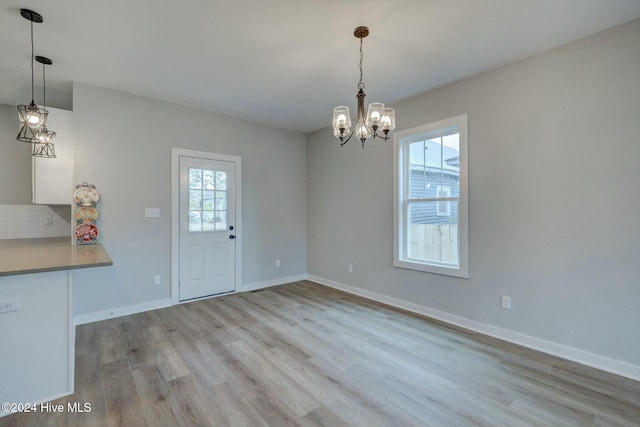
[[248, 287], [96, 316], [585, 358]]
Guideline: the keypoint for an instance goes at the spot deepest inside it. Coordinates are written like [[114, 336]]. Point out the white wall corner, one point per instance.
[[248, 287]]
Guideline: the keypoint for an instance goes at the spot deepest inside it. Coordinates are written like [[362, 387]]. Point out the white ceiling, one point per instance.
[[286, 63]]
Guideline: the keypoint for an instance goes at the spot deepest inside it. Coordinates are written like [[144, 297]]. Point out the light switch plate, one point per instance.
[[11, 305], [505, 302], [152, 212]]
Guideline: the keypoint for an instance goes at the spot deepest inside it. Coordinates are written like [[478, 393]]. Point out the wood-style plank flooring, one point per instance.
[[305, 355]]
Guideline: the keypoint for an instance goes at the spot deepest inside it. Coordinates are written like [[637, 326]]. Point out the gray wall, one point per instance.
[[554, 206], [15, 161], [123, 146]]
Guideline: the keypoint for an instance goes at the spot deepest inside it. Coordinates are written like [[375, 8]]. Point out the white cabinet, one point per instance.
[[38, 339], [52, 181]]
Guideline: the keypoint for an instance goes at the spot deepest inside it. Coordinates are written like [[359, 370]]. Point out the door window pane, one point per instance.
[[195, 200], [208, 221], [208, 179], [221, 180], [221, 220], [195, 221], [207, 200], [221, 200], [195, 178]]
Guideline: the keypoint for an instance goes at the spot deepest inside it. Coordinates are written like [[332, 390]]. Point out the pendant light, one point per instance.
[[43, 147], [31, 116], [378, 117]]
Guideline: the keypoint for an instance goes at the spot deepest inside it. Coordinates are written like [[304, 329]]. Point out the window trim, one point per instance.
[[400, 207]]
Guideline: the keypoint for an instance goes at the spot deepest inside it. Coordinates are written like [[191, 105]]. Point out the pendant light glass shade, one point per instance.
[[32, 115], [27, 133], [341, 121], [43, 146], [388, 122]]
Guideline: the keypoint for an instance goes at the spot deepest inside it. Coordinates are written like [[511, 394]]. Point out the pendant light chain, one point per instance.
[[44, 89], [32, 53]]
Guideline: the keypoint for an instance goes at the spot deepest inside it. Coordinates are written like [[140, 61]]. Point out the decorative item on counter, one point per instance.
[[87, 233], [86, 214], [86, 197]]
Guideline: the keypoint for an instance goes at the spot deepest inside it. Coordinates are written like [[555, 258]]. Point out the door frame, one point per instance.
[[176, 153]]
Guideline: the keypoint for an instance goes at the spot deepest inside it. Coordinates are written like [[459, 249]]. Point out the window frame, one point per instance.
[[401, 178]]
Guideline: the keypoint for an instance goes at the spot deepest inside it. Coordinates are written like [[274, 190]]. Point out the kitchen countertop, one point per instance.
[[25, 256]]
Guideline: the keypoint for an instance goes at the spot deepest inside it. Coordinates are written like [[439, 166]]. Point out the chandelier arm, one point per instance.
[[342, 143], [384, 137]]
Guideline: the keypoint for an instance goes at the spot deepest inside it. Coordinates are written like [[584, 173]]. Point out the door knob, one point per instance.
[[232, 237]]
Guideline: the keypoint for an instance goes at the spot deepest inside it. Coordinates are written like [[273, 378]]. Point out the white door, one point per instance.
[[207, 261]]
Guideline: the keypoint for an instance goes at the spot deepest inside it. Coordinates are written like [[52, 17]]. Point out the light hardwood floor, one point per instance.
[[305, 355]]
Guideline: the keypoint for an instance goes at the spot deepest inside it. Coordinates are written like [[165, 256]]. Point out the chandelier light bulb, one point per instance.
[[362, 131], [388, 120]]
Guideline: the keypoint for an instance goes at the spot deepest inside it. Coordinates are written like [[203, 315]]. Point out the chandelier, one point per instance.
[[378, 117], [31, 116]]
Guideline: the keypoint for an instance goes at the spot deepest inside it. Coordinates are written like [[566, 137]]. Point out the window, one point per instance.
[[430, 198], [207, 200]]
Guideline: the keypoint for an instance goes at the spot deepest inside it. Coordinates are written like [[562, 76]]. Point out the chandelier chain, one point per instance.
[[360, 84]]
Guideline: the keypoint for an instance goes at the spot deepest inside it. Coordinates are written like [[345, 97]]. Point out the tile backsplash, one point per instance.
[[31, 221]]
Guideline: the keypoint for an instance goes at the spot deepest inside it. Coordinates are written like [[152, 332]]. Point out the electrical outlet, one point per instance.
[[157, 280], [277, 263], [506, 302], [48, 220], [152, 212], [350, 268], [11, 305]]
